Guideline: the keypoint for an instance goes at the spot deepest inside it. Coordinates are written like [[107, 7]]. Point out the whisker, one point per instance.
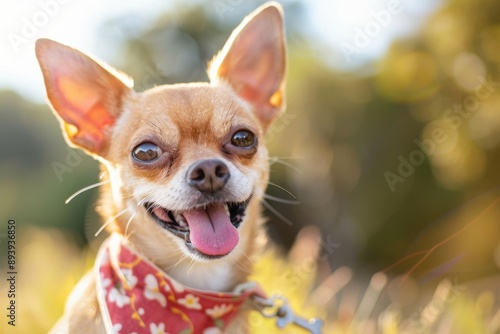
[[276, 212], [193, 263], [154, 124], [236, 109], [109, 221], [229, 111], [174, 266], [85, 189], [242, 252], [141, 202], [281, 200], [129, 221], [286, 158], [272, 161], [241, 265], [280, 187]]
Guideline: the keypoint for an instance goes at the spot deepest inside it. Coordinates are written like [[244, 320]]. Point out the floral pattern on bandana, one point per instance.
[[137, 297]]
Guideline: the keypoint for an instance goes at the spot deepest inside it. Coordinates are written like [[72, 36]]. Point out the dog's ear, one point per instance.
[[253, 61], [86, 96]]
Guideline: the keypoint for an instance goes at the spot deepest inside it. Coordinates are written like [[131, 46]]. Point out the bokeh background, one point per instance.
[[383, 209]]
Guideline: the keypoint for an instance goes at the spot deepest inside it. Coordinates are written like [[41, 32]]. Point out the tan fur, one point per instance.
[[104, 116]]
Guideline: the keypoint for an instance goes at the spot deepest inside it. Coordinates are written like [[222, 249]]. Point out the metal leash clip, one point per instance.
[[277, 306]]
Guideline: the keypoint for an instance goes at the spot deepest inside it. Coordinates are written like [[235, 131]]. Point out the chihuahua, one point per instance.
[[184, 166]]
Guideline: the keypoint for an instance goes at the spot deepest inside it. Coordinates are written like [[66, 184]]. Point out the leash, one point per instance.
[[277, 306]]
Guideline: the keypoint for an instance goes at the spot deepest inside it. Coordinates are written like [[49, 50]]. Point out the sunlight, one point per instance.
[[361, 30], [71, 22], [354, 12]]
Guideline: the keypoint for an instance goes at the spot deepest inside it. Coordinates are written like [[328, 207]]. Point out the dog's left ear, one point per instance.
[[253, 61]]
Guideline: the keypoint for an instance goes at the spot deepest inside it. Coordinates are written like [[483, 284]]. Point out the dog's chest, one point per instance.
[[209, 278]]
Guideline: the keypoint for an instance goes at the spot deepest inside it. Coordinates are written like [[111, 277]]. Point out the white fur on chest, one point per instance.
[[214, 277]]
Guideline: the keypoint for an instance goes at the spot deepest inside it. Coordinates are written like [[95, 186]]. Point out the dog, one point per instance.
[[184, 168]]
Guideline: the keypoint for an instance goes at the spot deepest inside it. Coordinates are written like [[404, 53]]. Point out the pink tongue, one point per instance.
[[211, 231]]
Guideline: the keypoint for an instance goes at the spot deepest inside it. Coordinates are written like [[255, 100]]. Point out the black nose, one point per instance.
[[208, 175]]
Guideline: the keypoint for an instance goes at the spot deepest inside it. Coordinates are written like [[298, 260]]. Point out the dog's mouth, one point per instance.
[[210, 230]]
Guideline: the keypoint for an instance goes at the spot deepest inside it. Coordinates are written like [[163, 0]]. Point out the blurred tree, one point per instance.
[[443, 83]]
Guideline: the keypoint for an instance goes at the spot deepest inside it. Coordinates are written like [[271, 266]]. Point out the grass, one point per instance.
[[49, 265]]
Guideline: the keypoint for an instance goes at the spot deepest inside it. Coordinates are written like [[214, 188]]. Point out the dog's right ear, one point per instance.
[[86, 96], [253, 62]]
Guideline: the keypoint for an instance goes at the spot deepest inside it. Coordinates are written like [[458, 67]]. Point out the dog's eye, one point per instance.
[[243, 138], [146, 152]]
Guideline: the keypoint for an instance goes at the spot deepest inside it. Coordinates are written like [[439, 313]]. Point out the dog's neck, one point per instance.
[[163, 250]]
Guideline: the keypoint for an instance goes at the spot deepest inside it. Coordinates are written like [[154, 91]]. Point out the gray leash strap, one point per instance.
[[277, 306]]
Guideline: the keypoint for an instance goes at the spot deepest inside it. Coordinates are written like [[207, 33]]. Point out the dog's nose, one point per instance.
[[208, 175]]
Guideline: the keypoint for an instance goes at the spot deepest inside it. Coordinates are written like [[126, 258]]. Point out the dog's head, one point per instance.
[[186, 162]]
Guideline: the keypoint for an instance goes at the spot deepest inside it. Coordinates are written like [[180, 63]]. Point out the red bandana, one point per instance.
[[135, 296]]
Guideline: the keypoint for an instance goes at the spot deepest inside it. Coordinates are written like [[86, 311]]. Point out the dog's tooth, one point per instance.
[[226, 207], [180, 220]]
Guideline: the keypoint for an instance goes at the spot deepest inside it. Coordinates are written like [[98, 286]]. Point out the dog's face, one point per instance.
[[186, 163], [193, 168]]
